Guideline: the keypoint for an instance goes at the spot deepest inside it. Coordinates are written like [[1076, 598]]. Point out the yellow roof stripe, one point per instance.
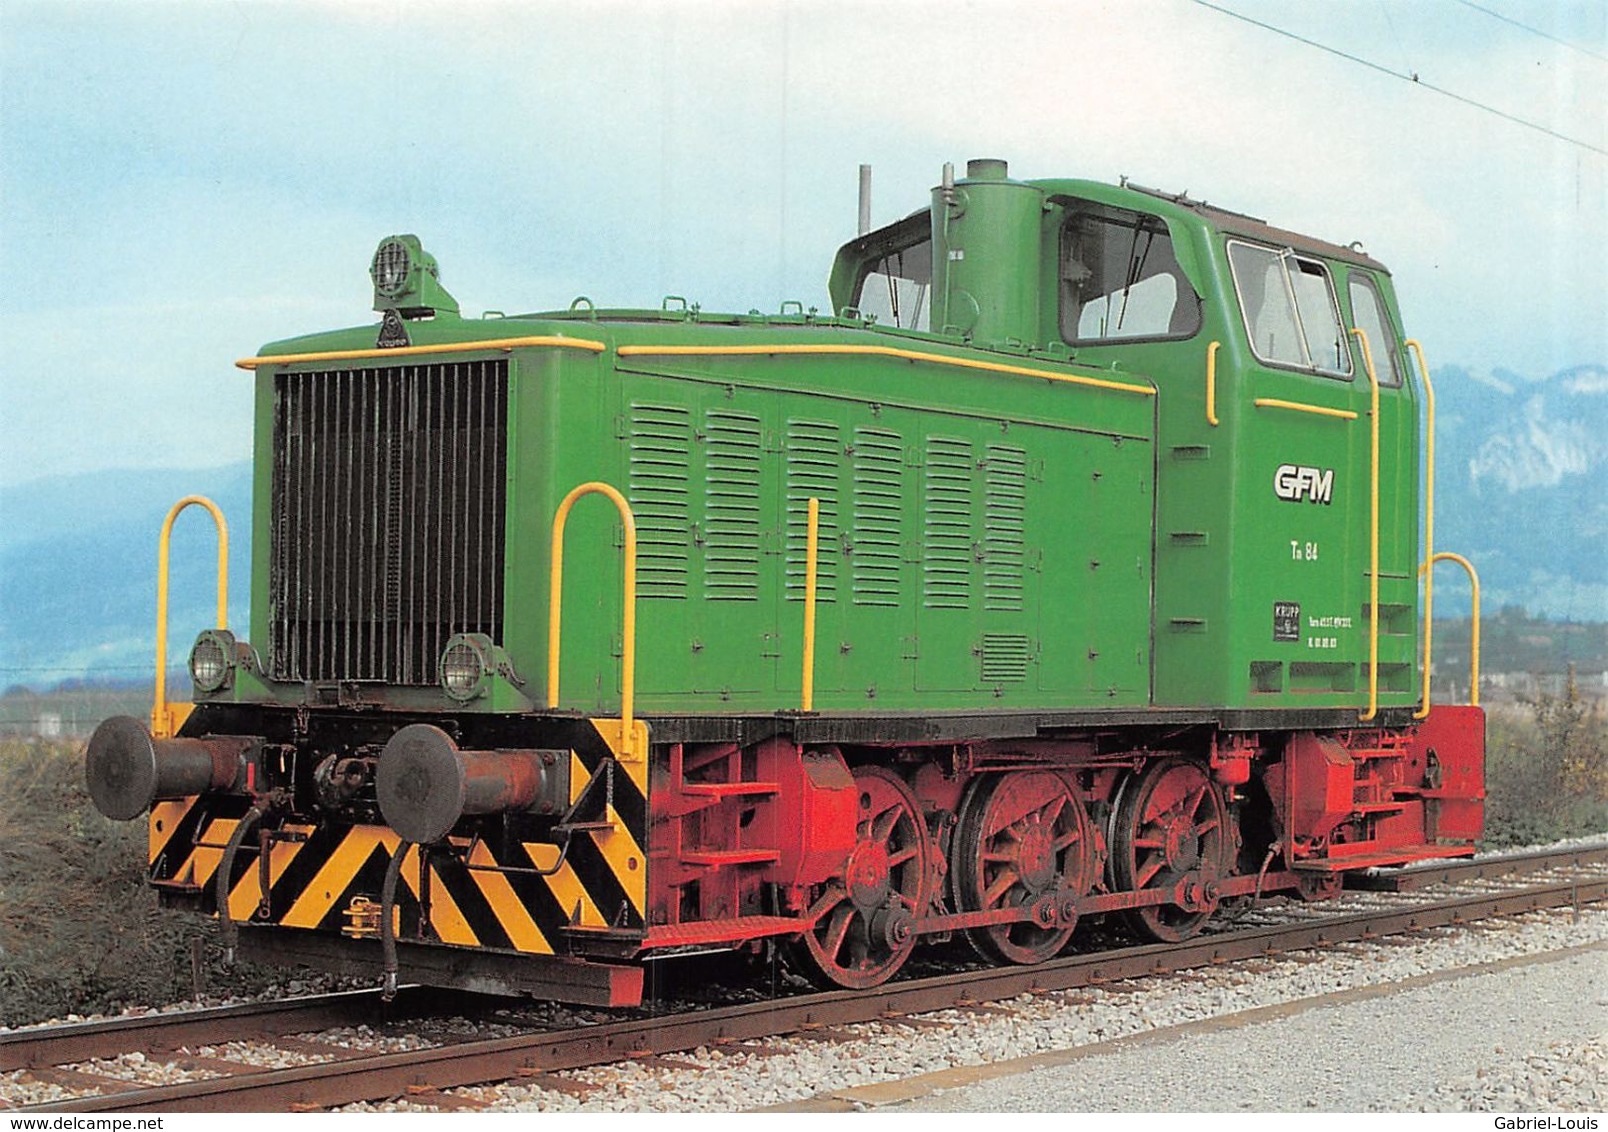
[[558, 341], [885, 352]]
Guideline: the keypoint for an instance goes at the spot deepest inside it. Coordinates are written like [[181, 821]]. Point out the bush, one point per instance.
[[80, 932], [1546, 770]]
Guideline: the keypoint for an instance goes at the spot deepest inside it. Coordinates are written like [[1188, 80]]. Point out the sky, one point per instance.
[[182, 182]]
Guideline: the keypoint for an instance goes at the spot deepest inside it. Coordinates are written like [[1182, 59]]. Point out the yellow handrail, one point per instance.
[[1373, 534], [1429, 517], [1211, 383], [555, 340], [811, 547], [163, 722], [1299, 407], [1474, 642], [785, 348], [556, 602]]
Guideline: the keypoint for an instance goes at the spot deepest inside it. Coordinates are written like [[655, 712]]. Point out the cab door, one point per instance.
[[1302, 500]]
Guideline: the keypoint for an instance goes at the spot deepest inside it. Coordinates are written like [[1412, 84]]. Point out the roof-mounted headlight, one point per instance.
[[392, 266], [407, 279]]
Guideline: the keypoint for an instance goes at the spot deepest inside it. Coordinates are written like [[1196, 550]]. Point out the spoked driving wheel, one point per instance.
[[865, 921], [1023, 840], [1170, 826]]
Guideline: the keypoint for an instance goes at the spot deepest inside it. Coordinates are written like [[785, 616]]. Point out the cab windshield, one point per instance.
[[1290, 311], [895, 288]]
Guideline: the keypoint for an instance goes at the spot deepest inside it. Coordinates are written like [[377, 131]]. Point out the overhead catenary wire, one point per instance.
[[1407, 76], [1534, 30]]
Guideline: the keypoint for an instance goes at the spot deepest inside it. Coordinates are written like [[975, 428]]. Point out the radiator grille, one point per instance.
[[387, 511]]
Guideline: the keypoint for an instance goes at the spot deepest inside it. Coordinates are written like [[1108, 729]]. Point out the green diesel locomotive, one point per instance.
[[1069, 568]]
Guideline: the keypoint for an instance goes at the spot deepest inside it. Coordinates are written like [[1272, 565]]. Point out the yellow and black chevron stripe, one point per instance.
[[316, 872]]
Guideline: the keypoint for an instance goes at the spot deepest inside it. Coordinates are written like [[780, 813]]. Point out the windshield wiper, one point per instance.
[[1136, 265]]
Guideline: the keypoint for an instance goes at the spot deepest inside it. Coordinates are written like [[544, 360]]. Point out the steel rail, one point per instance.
[[54, 1045], [1414, 877], [500, 1059]]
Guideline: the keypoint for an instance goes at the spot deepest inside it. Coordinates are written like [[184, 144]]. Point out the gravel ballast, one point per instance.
[[1526, 1038], [794, 1073], [1504, 1014]]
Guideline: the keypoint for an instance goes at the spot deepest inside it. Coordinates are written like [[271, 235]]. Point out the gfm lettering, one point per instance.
[[1295, 482]]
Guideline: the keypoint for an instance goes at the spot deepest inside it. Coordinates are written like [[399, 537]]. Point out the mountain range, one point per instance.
[[78, 558], [1521, 486]]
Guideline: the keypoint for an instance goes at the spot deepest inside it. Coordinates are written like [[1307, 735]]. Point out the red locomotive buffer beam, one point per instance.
[[1380, 798], [1451, 743], [729, 821]]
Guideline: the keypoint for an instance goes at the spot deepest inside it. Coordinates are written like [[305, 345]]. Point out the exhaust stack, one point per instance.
[[986, 255]]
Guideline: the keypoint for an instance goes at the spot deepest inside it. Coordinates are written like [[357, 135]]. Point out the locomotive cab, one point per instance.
[[1264, 450]]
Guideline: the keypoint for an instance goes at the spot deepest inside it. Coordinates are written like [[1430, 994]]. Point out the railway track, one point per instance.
[[1414, 877], [328, 1075]]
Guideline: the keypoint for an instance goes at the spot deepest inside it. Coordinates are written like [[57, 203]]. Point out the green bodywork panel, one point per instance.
[[989, 538]]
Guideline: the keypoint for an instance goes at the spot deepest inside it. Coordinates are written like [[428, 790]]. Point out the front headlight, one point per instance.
[[212, 660], [391, 268], [466, 666]]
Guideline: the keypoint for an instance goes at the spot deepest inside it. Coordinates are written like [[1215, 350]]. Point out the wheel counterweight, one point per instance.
[[864, 927]]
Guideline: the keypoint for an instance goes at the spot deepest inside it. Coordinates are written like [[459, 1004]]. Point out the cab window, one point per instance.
[[1121, 280], [1368, 311], [895, 288], [1290, 310]]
